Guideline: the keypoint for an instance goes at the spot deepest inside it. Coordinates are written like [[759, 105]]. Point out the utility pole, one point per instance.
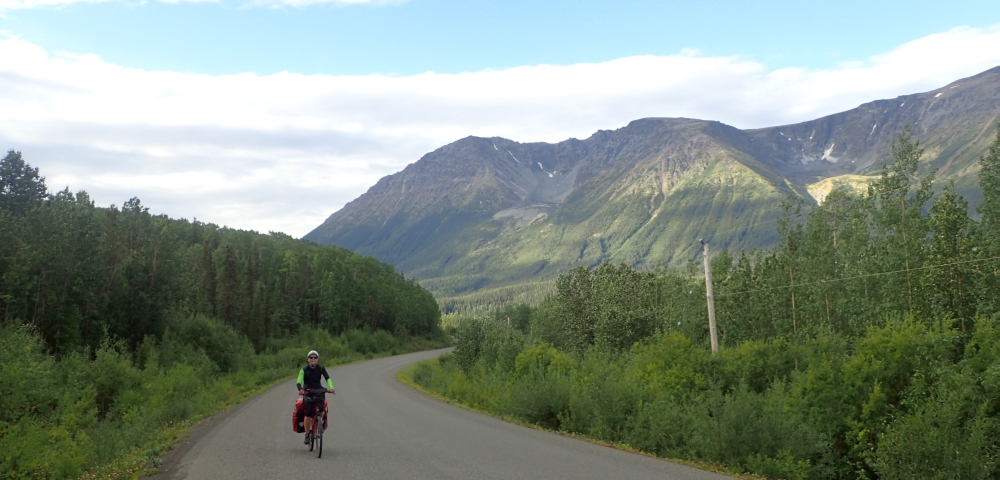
[[710, 297]]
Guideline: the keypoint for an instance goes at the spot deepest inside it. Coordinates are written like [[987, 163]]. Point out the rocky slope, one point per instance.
[[485, 212]]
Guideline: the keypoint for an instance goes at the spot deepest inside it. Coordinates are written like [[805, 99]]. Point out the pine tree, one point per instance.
[[21, 188], [230, 287]]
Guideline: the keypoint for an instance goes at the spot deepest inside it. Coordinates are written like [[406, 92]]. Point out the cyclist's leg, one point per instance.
[[320, 411], [307, 421]]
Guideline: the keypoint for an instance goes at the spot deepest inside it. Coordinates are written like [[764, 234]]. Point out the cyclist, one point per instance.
[[310, 377]]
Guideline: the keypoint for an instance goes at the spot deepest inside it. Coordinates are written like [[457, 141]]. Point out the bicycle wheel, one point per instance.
[[319, 441], [312, 435]]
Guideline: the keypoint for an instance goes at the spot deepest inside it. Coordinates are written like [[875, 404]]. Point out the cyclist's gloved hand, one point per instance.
[[302, 392]]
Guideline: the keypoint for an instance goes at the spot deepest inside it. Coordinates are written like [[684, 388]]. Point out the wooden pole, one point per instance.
[[711, 299]]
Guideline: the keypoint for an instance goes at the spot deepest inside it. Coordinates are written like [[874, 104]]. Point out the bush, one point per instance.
[[468, 343], [367, 343], [758, 431], [540, 391], [189, 336]]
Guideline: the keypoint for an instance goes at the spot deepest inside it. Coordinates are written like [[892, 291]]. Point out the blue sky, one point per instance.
[[460, 36], [272, 114]]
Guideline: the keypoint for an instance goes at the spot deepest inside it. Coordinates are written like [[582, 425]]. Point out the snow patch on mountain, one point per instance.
[[828, 155]]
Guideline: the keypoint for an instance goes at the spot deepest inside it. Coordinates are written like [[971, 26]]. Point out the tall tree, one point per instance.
[[989, 181], [896, 200], [950, 286], [989, 227], [230, 284], [21, 188]]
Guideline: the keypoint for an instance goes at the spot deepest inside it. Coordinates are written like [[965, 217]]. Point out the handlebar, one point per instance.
[[315, 390]]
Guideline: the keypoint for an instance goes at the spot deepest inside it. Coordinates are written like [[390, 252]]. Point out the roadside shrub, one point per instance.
[[663, 427], [948, 436], [758, 431], [175, 393], [224, 347], [367, 343], [540, 390], [383, 341], [110, 374], [500, 345], [423, 372], [468, 343], [601, 400], [669, 366], [26, 375], [493, 344]]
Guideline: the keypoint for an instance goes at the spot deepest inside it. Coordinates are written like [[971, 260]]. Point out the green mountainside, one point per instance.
[[489, 220]]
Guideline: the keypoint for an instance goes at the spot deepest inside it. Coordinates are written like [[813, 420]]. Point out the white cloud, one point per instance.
[[283, 151]]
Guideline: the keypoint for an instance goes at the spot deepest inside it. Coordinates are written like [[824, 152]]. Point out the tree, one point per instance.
[[21, 189], [230, 287], [950, 286], [896, 200], [989, 181], [989, 227]]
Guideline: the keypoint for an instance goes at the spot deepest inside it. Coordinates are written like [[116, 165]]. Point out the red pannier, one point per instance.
[[299, 415]]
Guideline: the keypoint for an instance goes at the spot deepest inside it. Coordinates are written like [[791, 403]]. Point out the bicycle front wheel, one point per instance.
[[319, 442], [312, 436]]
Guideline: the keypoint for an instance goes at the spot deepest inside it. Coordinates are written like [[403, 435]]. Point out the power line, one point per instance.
[[927, 267]]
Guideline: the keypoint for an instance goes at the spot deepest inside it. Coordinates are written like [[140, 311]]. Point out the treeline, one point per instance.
[[483, 302], [80, 273], [863, 346], [117, 327]]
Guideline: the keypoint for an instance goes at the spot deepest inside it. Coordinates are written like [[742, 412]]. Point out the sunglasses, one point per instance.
[[313, 357]]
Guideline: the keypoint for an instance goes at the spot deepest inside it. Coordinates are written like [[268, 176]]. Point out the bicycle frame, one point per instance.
[[316, 430]]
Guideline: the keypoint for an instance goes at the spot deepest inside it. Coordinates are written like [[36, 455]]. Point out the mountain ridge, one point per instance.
[[486, 212]]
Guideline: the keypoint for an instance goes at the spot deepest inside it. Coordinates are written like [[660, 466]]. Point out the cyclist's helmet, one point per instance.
[[313, 353]]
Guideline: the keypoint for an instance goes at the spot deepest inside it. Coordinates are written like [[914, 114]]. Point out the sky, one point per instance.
[[272, 114]]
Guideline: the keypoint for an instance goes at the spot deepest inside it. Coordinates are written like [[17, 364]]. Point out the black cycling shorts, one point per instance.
[[313, 399]]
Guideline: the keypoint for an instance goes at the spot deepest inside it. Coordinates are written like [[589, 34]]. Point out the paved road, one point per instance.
[[382, 429]]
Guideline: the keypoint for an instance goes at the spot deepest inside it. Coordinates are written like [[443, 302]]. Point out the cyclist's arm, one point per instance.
[[302, 377], [329, 380]]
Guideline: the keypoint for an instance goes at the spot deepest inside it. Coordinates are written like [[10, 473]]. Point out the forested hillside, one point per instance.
[[116, 324], [80, 273], [865, 345]]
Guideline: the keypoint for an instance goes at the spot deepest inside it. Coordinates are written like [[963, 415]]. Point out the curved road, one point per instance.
[[383, 429]]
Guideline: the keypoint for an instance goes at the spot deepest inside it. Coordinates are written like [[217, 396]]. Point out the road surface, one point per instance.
[[383, 429]]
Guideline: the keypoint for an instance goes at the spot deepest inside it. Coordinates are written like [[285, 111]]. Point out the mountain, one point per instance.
[[486, 213], [954, 124]]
